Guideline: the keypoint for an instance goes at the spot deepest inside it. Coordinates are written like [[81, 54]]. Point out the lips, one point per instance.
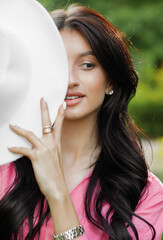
[[74, 98]]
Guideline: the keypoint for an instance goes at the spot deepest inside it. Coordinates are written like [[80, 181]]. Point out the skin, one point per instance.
[[70, 148]]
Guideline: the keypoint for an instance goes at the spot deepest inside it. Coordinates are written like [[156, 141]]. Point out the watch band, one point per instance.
[[70, 234]]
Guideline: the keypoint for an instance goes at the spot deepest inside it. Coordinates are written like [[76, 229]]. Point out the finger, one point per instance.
[[21, 150], [30, 136], [59, 121], [45, 113]]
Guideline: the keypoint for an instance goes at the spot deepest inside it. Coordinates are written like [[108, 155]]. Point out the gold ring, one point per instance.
[[47, 129]]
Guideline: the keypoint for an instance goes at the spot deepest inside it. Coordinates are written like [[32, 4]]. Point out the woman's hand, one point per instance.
[[46, 154], [46, 160]]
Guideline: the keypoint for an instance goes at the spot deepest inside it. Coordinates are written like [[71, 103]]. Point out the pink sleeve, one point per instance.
[[150, 208], [7, 176]]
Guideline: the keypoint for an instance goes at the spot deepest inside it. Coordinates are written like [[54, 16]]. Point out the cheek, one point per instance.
[[97, 88], [94, 85]]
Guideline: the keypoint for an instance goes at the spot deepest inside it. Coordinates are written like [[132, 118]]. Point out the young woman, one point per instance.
[[89, 171]]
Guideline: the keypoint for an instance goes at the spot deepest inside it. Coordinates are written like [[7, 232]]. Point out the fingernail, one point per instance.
[[12, 125], [44, 99], [64, 105]]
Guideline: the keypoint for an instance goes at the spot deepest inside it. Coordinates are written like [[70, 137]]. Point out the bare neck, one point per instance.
[[79, 141]]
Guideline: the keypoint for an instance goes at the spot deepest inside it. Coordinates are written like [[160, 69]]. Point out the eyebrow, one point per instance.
[[86, 53]]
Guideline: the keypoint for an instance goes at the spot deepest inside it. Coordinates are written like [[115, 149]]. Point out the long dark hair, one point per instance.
[[120, 169]]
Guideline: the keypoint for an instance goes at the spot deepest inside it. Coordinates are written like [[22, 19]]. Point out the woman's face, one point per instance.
[[87, 79]]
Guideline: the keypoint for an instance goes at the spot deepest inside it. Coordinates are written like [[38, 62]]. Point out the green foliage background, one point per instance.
[[142, 22]]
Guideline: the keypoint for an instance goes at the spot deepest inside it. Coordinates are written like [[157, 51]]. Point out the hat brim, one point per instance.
[[49, 64]]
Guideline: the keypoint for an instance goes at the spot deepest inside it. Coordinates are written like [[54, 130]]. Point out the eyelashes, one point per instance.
[[87, 66]]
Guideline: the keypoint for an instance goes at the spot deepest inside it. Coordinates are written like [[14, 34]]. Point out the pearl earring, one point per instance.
[[110, 92]]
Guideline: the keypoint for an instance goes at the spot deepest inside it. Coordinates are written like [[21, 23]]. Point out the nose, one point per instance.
[[73, 79]]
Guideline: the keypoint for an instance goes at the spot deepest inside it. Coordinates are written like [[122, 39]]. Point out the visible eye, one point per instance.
[[87, 66]]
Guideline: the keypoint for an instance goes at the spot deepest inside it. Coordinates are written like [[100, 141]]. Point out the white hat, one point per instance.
[[33, 64]]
